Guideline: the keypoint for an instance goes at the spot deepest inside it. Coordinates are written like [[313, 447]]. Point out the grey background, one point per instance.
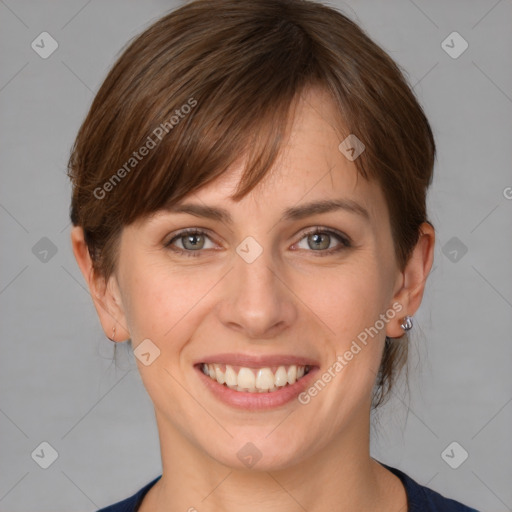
[[58, 383]]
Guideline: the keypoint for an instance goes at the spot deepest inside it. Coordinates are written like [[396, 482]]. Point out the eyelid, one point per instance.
[[346, 241], [324, 229], [190, 231]]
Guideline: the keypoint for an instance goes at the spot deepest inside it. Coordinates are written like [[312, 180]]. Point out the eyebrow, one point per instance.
[[290, 214]]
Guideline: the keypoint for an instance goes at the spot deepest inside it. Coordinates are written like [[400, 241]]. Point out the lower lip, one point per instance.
[[257, 401]]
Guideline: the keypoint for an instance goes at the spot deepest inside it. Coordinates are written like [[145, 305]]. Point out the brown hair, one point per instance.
[[212, 81]]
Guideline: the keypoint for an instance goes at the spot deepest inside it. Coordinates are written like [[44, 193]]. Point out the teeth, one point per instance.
[[292, 374], [265, 379], [260, 380], [219, 376], [246, 379], [281, 377], [231, 377]]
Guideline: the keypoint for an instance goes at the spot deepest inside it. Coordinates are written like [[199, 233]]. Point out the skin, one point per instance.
[[289, 300]]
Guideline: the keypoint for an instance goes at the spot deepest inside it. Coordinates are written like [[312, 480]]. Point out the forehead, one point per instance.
[[309, 168]]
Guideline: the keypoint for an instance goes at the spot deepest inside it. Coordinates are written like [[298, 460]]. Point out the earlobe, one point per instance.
[[414, 279], [108, 306]]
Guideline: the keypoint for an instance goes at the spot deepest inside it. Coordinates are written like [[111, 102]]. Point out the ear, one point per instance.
[[411, 282], [106, 296]]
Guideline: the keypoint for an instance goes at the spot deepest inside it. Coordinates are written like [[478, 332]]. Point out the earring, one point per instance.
[[406, 325], [113, 334]]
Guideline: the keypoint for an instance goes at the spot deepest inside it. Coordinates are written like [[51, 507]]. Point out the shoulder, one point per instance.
[[132, 503], [423, 499]]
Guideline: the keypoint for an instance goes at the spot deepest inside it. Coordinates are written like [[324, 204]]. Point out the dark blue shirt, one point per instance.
[[419, 498]]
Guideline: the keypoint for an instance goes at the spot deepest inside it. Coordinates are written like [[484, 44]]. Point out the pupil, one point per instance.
[[193, 239], [317, 237]]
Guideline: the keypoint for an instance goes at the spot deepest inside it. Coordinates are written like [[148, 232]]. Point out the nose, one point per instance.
[[258, 302]]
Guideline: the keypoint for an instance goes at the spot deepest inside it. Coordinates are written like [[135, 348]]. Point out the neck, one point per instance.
[[340, 476]]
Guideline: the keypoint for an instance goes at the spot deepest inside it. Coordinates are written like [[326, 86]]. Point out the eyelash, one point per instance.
[[345, 241]]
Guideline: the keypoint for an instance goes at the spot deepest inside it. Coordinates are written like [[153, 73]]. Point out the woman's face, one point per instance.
[[257, 284]]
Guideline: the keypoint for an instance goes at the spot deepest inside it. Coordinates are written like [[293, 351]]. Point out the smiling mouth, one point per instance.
[[255, 380]]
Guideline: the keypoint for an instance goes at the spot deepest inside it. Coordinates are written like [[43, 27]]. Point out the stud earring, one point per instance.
[[113, 334], [406, 325]]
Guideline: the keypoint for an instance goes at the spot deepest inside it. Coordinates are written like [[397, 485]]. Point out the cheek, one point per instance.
[[163, 308], [349, 301], [163, 305], [346, 299]]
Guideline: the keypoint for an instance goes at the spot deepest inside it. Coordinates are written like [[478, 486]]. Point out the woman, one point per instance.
[[249, 212]]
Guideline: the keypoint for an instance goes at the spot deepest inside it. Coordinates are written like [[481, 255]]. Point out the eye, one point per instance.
[[319, 239], [192, 242]]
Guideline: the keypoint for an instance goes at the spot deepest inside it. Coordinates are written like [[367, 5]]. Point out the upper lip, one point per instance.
[[257, 361]]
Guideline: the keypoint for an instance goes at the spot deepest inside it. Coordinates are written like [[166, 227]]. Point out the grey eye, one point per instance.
[[319, 241], [193, 241]]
